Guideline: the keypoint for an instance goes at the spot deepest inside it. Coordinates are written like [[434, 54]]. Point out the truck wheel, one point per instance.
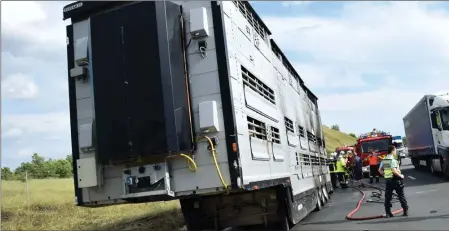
[[430, 166], [286, 225], [318, 206], [415, 163], [283, 209], [444, 169]]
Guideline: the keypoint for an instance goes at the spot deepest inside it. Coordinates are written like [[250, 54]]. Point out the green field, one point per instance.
[[336, 139], [51, 205]]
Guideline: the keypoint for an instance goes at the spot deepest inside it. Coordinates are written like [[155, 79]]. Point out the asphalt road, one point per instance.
[[427, 195]]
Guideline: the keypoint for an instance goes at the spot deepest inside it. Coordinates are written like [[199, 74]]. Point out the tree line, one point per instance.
[[40, 168]]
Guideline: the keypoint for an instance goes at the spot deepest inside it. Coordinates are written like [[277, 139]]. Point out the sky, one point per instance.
[[368, 63]]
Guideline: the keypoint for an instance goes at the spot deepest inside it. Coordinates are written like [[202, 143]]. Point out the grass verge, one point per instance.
[[51, 207]]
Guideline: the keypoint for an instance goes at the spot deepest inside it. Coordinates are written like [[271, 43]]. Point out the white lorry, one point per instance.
[[400, 149], [427, 133], [191, 101]]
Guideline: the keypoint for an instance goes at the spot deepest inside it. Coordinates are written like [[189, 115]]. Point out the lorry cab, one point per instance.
[[439, 114], [397, 142]]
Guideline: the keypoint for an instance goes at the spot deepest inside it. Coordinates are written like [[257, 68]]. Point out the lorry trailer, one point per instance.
[[427, 133], [194, 101]]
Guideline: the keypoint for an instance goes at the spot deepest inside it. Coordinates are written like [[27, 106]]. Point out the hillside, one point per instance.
[[335, 139]]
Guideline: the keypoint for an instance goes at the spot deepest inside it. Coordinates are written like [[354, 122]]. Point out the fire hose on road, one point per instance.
[[379, 199]]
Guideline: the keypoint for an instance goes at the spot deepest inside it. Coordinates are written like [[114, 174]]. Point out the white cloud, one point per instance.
[[25, 152], [33, 22], [295, 3], [400, 44], [19, 86], [368, 33], [13, 133], [46, 123]]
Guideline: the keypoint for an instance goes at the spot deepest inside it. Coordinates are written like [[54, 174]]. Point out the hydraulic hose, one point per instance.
[[212, 150], [351, 217], [190, 162]]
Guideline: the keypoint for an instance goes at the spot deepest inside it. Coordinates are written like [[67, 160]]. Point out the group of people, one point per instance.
[[340, 168], [343, 165]]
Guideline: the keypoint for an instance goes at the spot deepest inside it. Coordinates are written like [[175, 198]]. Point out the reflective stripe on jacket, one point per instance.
[[340, 165]]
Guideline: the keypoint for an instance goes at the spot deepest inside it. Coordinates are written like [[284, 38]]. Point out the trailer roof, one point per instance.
[[82, 9], [288, 65], [424, 98]]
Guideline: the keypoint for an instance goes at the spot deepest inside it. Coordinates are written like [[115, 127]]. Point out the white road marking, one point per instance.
[[427, 191], [411, 177]]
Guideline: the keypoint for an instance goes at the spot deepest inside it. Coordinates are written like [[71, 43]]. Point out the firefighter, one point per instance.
[[332, 170], [389, 168], [348, 166], [341, 164], [373, 166]]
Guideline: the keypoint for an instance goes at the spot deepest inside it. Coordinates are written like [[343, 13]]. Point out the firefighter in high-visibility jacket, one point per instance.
[[389, 168], [373, 160], [341, 165]]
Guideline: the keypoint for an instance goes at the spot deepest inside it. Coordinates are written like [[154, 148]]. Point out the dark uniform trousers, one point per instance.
[[398, 186], [342, 178], [374, 172]]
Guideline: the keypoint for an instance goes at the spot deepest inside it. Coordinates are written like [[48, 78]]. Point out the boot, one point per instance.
[[405, 213], [388, 213], [377, 179], [370, 180]]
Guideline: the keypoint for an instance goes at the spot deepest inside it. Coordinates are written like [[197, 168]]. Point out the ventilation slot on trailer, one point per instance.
[[312, 141], [292, 138], [297, 159], [315, 161], [258, 139], [311, 137], [319, 142], [305, 160], [275, 135], [251, 18], [258, 86], [257, 129], [301, 131], [289, 125]]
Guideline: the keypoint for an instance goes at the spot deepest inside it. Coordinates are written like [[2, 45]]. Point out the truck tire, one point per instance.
[[319, 205], [429, 166], [283, 210], [194, 217], [444, 169], [415, 163]]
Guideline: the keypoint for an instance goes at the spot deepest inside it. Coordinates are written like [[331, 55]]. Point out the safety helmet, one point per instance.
[[349, 152], [342, 152]]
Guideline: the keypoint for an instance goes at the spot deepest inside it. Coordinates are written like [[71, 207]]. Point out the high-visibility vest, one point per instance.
[[340, 165], [387, 168], [373, 160]]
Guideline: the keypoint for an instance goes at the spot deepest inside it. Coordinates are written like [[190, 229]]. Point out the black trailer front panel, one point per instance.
[[140, 94]]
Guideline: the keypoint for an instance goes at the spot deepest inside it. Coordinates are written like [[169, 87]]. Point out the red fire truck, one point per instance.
[[378, 140], [345, 149]]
